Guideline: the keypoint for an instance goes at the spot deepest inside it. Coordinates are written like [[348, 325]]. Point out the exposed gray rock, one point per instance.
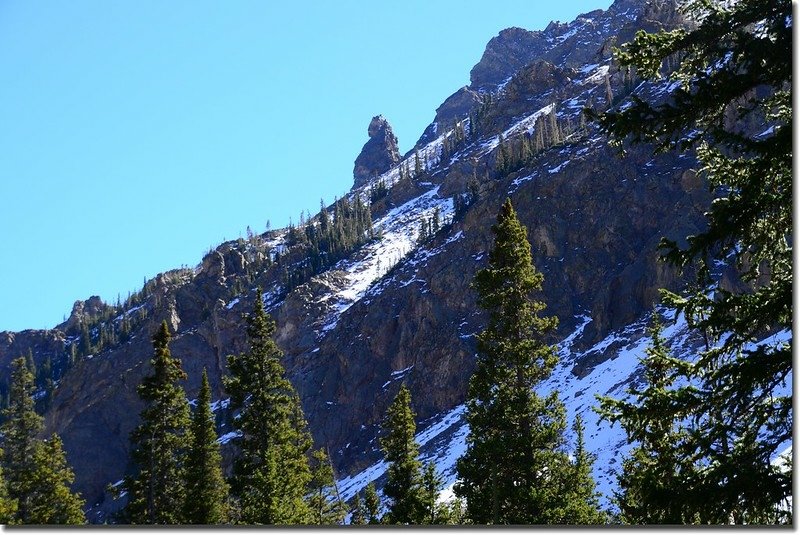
[[379, 154]]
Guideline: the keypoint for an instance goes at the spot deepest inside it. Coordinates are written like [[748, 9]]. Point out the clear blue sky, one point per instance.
[[136, 134]]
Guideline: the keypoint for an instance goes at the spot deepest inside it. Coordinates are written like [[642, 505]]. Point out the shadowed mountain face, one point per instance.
[[399, 309]]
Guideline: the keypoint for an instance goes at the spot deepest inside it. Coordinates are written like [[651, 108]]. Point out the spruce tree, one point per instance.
[[36, 471], [8, 505], [51, 500], [651, 483], [206, 489], [156, 491], [372, 504], [271, 473], [582, 506], [513, 469], [358, 513], [736, 64], [403, 476], [502, 160], [430, 486], [327, 507], [19, 430]]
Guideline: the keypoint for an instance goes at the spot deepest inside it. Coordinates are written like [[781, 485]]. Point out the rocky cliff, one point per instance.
[[379, 154], [400, 310]]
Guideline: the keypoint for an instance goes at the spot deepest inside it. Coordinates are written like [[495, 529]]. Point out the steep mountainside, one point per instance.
[[397, 308]]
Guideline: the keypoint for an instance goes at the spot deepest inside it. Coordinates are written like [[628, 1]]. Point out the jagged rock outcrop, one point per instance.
[[454, 108], [378, 154], [506, 53]]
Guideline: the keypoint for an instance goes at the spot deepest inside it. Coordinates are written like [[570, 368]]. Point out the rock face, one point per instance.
[[394, 310], [379, 153], [506, 53]]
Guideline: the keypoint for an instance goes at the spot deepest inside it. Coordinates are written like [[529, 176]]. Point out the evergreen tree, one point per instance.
[[372, 505], [327, 507], [582, 506], [736, 64], [271, 473], [206, 489], [51, 500], [85, 347], [513, 469], [156, 491], [436, 220], [502, 160], [431, 485], [422, 237], [358, 513], [403, 477], [417, 164], [651, 488], [8, 505], [19, 432], [36, 471]]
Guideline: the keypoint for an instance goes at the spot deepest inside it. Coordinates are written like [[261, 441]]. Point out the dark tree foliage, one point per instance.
[[327, 507], [514, 470], [734, 106], [19, 430], [378, 191], [327, 240], [156, 490], [358, 514], [8, 505], [403, 486], [37, 476], [582, 505], [430, 487], [51, 500], [206, 489], [372, 505], [651, 481], [271, 473]]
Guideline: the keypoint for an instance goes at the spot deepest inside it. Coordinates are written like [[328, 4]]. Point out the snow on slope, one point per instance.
[[443, 440], [399, 229]]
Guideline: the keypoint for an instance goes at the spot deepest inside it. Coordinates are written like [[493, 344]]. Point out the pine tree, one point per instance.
[[85, 347], [206, 489], [372, 505], [358, 513], [403, 476], [502, 162], [735, 64], [327, 507], [651, 484], [51, 500], [422, 237], [271, 473], [19, 432], [417, 164], [156, 491], [36, 471], [582, 506], [512, 471], [8, 505], [431, 485]]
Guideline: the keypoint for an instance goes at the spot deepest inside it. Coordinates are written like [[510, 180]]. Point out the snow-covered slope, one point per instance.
[[443, 439]]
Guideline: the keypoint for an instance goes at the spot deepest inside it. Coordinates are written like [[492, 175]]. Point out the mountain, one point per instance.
[[373, 308]]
